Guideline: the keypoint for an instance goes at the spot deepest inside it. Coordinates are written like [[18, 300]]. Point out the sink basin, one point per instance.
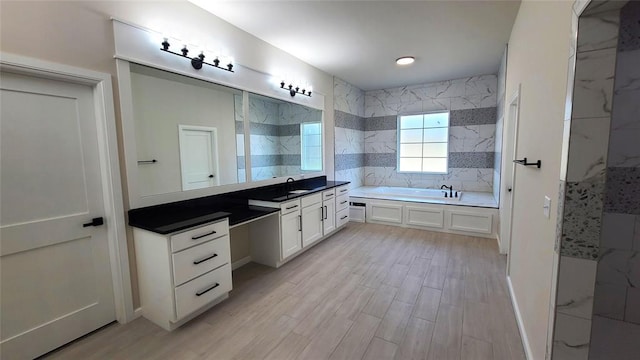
[[298, 191]]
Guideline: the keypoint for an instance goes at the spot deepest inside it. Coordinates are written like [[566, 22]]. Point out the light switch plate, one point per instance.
[[547, 207]]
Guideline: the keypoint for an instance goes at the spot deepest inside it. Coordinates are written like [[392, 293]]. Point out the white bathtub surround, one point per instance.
[[432, 196], [473, 214]]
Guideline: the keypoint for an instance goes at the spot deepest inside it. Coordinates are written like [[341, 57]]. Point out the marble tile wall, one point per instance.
[[616, 324], [349, 133], [599, 273], [275, 137], [472, 133], [501, 100]]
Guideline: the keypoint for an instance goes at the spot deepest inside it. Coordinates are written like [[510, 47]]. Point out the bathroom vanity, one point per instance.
[[183, 248]]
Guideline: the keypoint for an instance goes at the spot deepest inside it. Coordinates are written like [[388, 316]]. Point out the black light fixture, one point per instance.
[[196, 61], [294, 90]]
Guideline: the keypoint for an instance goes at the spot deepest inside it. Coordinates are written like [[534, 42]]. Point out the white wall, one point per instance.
[[537, 59]]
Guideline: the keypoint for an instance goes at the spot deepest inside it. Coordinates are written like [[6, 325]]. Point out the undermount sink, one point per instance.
[[302, 191]]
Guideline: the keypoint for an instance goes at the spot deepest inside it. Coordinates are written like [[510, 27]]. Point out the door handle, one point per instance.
[[321, 213], [326, 212], [299, 222], [94, 222]]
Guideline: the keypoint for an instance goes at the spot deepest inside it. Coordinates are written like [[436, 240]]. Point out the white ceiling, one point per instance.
[[358, 41]]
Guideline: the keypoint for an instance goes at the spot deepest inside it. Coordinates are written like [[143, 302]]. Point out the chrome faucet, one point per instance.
[[450, 187]]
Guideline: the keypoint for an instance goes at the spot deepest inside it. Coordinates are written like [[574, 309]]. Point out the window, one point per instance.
[[311, 146], [423, 142]]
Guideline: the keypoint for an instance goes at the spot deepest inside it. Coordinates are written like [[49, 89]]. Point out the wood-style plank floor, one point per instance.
[[368, 292]]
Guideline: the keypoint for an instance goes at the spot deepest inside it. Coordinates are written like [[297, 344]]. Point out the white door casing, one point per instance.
[[509, 174], [198, 156], [59, 170]]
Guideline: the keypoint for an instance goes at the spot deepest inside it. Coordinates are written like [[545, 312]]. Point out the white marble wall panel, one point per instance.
[[609, 301], [619, 267], [466, 93], [289, 145], [625, 127], [265, 112], [598, 31], [347, 98], [571, 338], [578, 277], [588, 148], [296, 114], [349, 141], [355, 176], [461, 179], [381, 141], [265, 145], [612, 339], [592, 96]]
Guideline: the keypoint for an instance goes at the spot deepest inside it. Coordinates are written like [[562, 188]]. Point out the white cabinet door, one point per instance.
[[329, 219], [291, 234], [311, 224], [56, 280]]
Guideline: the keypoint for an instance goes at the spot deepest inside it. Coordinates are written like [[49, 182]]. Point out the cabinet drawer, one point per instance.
[[329, 194], [342, 217], [290, 206], [199, 235], [200, 259], [311, 199], [342, 202], [342, 190], [202, 290]]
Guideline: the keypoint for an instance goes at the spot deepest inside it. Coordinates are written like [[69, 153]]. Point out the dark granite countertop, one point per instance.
[[172, 222], [281, 194], [172, 217]]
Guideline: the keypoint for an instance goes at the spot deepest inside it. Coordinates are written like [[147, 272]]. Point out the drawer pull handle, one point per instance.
[[202, 292], [344, 217], [205, 259], [291, 207], [344, 202], [201, 236], [344, 190]]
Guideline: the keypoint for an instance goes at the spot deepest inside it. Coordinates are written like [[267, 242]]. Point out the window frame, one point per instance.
[[398, 129], [303, 148]]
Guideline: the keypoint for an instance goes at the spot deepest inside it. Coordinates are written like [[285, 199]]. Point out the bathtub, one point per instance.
[[471, 213], [388, 192]]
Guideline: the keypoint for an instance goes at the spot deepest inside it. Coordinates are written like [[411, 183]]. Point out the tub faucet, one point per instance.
[[450, 188]]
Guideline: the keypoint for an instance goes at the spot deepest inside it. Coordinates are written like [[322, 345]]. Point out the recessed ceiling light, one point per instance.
[[405, 60]]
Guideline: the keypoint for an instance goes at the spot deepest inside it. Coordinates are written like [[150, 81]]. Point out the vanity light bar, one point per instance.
[[196, 61], [295, 90]]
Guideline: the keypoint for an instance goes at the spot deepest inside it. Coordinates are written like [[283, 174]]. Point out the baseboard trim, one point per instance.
[[137, 313], [242, 262], [523, 332]]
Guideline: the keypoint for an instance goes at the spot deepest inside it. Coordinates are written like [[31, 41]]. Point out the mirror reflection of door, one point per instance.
[[198, 156]]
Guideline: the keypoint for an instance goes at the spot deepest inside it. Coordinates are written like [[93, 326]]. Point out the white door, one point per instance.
[[56, 280], [291, 234], [311, 224], [508, 192], [329, 219], [198, 157]]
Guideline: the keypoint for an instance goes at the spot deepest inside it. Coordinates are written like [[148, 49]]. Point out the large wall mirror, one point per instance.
[[186, 137], [185, 130], [286, 138]]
